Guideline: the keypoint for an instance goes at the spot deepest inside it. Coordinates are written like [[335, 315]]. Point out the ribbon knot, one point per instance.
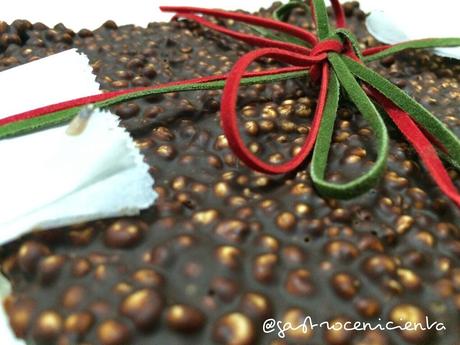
[[333, 58], [329, 45]]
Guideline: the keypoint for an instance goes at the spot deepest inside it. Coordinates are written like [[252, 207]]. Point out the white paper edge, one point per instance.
[[15, 104], [129, 173], [383, 28], [6, 332]]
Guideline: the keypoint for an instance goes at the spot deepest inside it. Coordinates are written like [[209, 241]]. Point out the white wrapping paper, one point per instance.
[[49, 178], [394, 21], [54, 179], [91, 14], [8, 338]]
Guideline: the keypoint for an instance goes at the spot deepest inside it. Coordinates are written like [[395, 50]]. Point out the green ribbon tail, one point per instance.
[[449, 160], [322, 19], [323, 141], [282, 12], [63, 116], [415, 44], [368, 180], [419, 113]]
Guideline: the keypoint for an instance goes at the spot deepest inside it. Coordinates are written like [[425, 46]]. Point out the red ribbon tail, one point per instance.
[[247, 38], [249, 19], [421, 144], [339, 14], [375, 50]]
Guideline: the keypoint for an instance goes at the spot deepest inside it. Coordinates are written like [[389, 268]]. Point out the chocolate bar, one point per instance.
[[225, 248]]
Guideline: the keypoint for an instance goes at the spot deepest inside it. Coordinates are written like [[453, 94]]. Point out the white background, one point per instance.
[[401, 20], [92, 13]]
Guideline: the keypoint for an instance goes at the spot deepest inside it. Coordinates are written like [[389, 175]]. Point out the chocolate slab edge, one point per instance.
[[225, 248]]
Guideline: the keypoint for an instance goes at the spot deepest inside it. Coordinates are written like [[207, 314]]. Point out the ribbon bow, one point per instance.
[[334, 59]]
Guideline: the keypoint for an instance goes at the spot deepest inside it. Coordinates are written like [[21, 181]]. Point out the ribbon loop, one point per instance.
[[371, 114], [229, 116]]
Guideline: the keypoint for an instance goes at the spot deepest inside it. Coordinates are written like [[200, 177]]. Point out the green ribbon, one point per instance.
[[345, 76], [342, 76], [63, 116]]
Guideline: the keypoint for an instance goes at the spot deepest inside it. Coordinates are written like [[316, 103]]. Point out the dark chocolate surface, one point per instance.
[[225, 248]]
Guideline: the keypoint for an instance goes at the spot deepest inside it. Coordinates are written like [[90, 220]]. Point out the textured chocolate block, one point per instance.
[[225, 248]]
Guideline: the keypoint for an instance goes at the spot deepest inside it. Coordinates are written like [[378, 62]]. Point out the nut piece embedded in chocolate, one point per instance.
[[144, 308], [256, 305], [30, 254], [345, 285], [112, 332], [234, 329], [50, 268], [124, 234], [79, 323], [20, 312], [338, 335], [295, 317], [184, 318], [299, 283], [409, 313], [48, 326]]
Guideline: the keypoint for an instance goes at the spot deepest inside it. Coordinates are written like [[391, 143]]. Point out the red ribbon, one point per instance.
[[300, 58], [314, 59], [421, 144]]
